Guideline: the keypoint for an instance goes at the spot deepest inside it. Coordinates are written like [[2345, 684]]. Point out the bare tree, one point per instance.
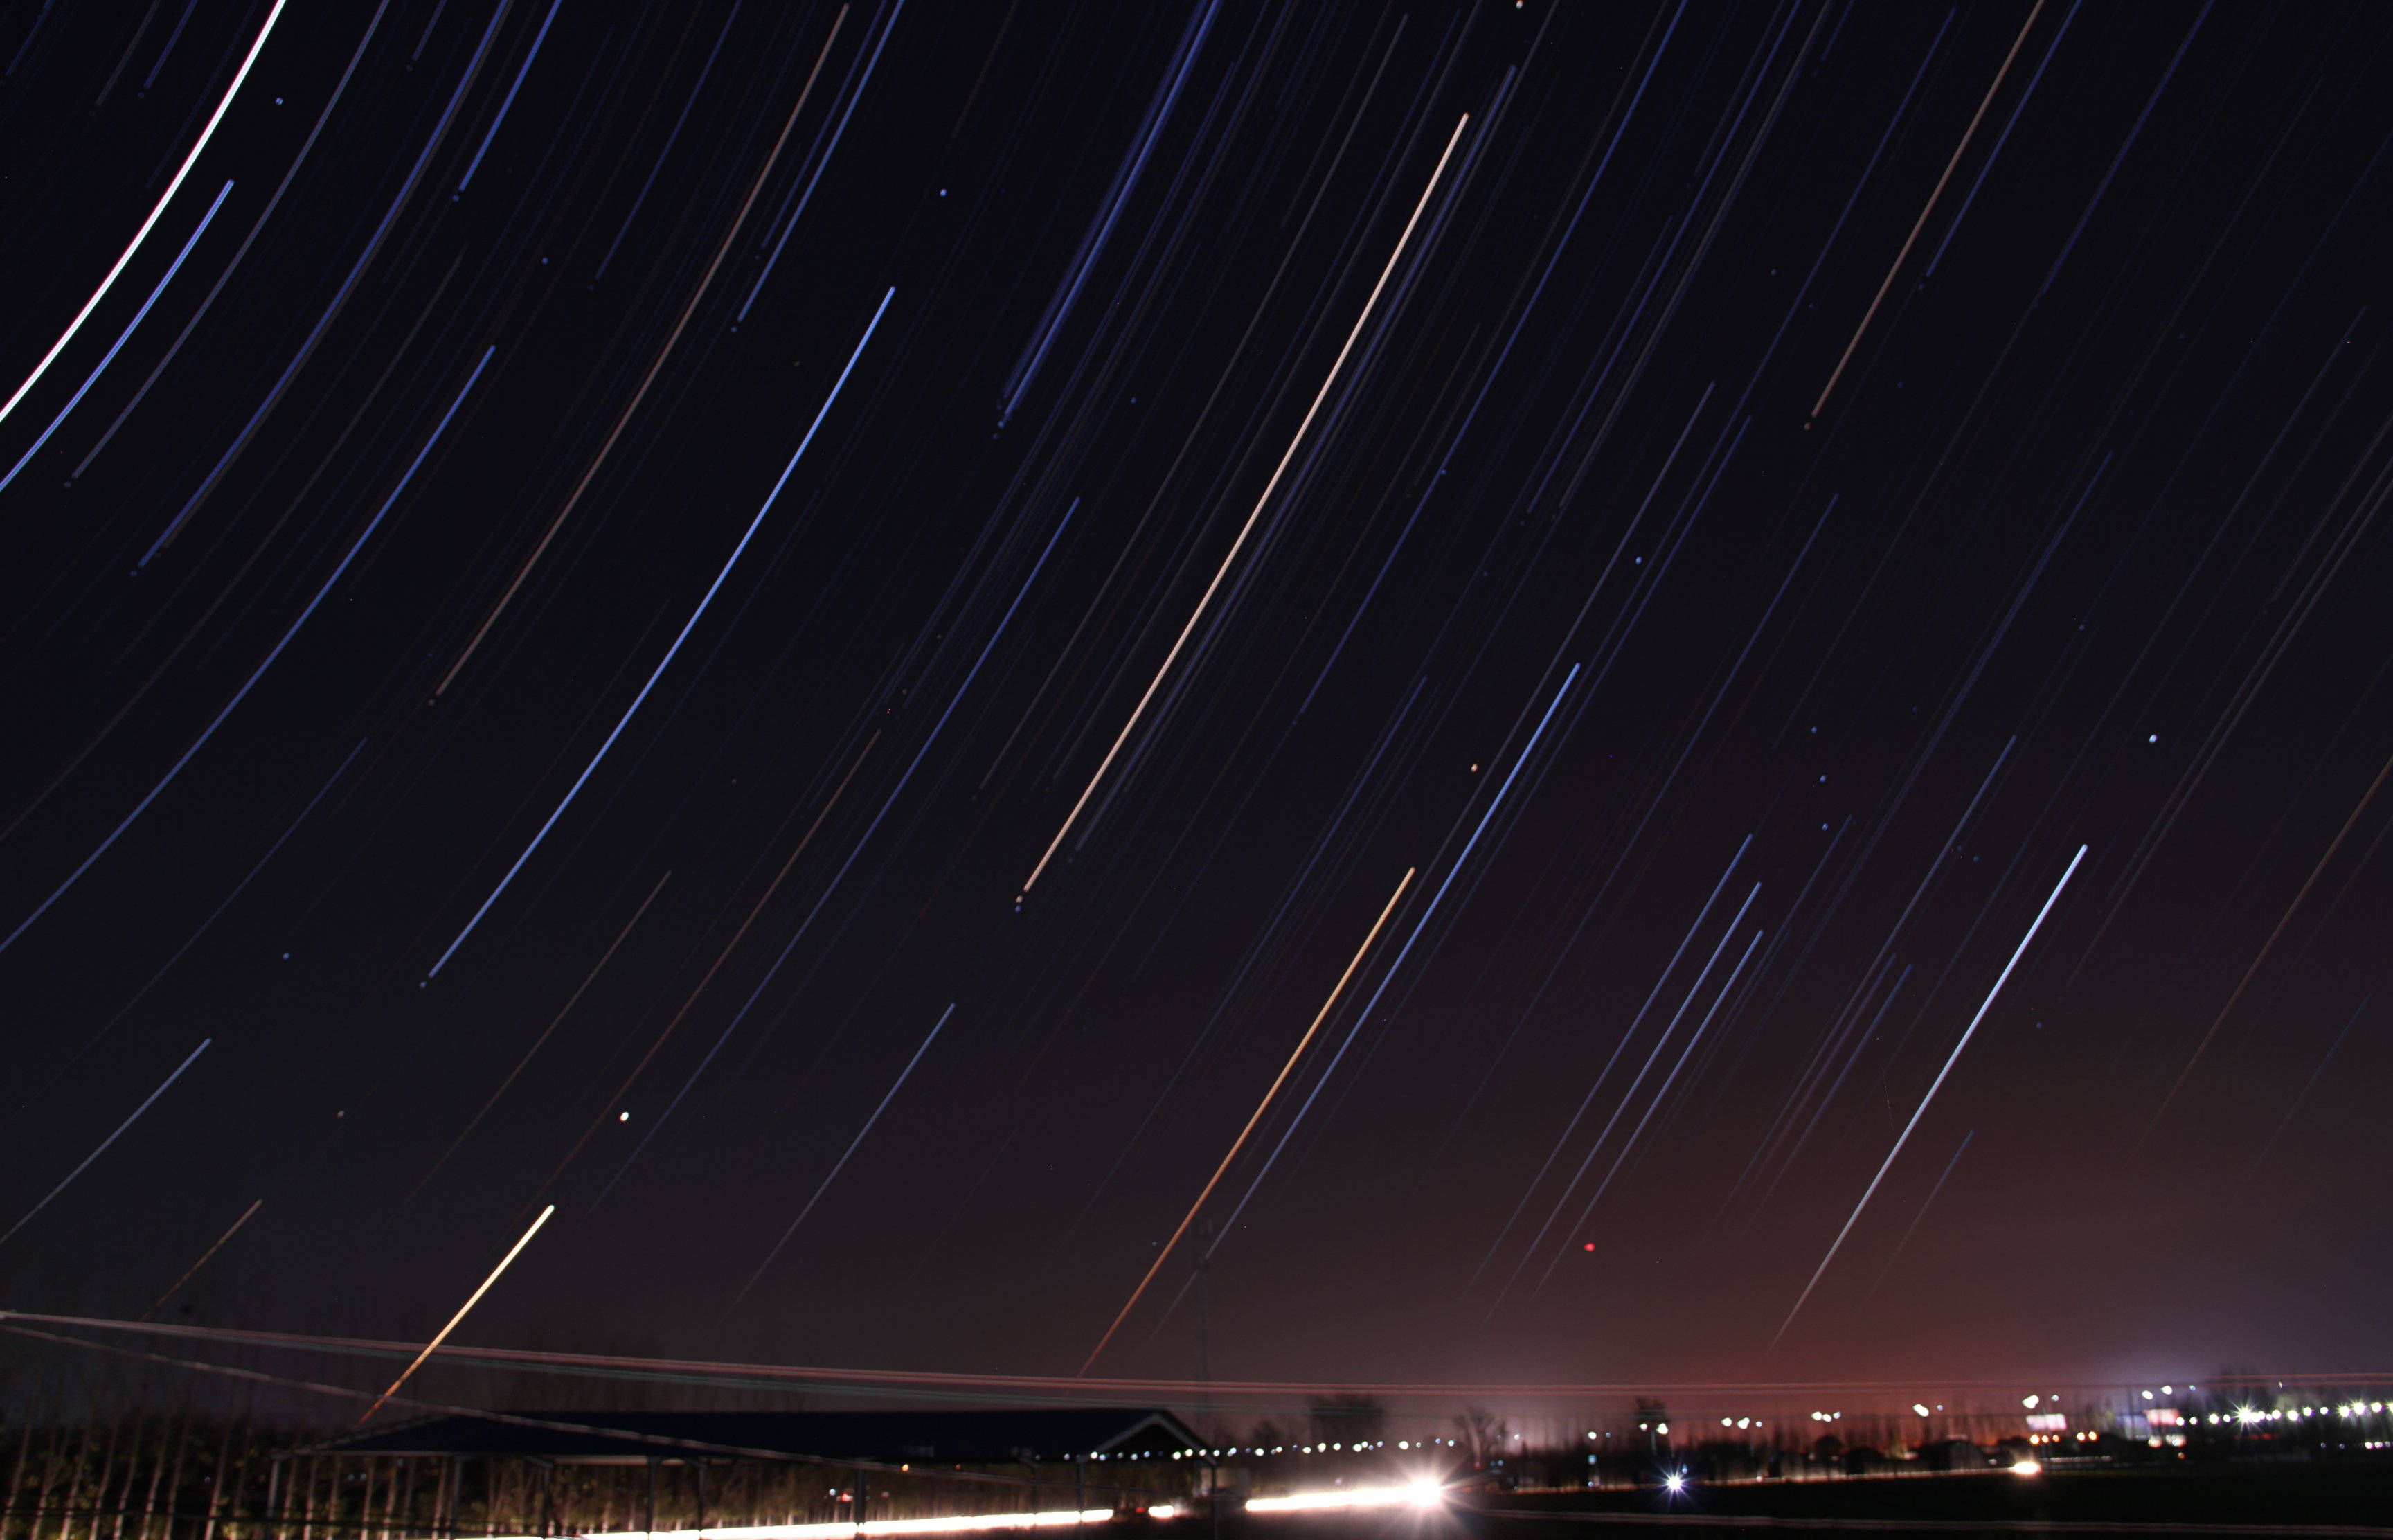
[[1481, 1433]]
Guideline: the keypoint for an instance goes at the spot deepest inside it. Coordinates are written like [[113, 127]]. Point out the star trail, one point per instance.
[[1285, 693]]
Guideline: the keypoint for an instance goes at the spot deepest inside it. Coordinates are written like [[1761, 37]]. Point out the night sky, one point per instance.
[[612, 596]]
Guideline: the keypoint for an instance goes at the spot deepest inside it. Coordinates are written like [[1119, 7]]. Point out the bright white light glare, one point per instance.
[[1675, 1481], [1161, 1511], [2030, 1403], [1417, 1494], [2026, 1467], [1918, 1408], [1005, 1521], [960, 1524]]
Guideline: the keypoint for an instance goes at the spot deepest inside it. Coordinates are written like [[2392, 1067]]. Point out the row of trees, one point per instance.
[[190, 1477]]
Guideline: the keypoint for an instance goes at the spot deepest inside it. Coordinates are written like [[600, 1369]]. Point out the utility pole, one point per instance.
[[1205, 1371], [1205, 1328]]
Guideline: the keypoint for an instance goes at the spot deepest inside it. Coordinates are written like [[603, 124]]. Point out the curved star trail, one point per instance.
[[581, 576]]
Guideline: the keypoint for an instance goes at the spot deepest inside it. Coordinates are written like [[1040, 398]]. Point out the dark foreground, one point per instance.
[[2352, 1500]]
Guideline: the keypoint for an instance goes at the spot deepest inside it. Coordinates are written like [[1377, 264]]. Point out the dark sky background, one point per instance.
[[432, 681]]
